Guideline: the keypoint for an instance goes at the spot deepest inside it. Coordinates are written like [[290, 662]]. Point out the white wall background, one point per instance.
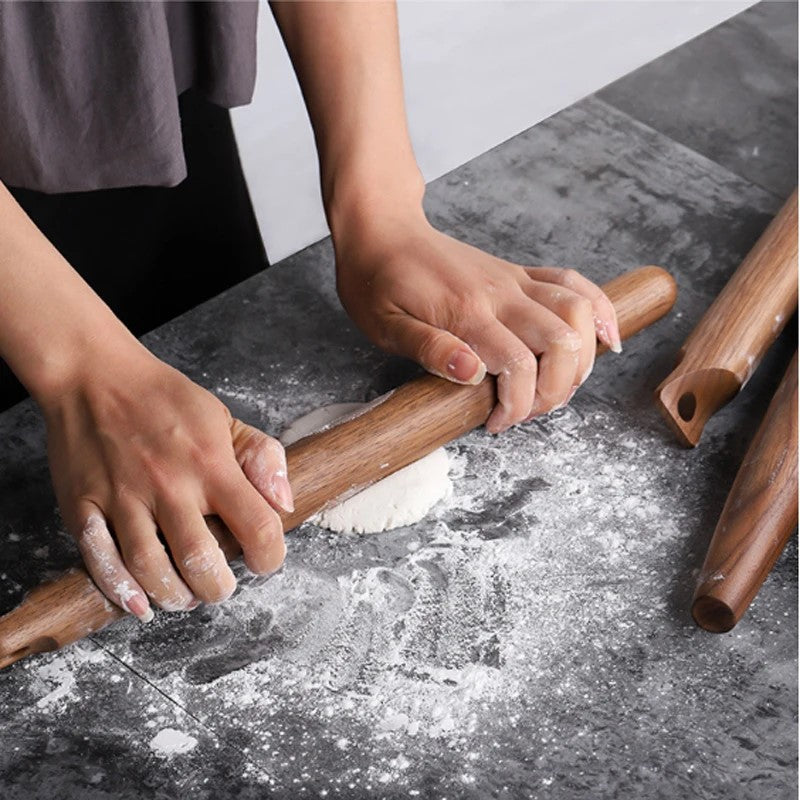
[[476, 73]]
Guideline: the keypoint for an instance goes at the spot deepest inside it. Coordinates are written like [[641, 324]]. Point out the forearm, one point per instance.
[[347, 59], [50, 319]]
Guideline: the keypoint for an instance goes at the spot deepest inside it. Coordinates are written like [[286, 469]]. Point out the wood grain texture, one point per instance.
[[725, 348], [54, 614], [392, 432], [758, 518]]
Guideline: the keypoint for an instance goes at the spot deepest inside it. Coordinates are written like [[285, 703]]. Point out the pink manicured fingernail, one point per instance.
[[466, 367], [139, 606], [536, 409], [608, 334], [492, 426], [571, 394], [616, 342], [282, 492]]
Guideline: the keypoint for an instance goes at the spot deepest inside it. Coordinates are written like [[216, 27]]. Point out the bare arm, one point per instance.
[[134, 446], [50, 320], [347, 59], [416, 292]]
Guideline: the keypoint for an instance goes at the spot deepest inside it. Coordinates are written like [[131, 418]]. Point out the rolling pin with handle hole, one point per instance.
[[730, 340], [392, 432]]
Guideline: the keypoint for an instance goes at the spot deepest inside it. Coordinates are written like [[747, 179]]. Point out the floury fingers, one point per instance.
[[109, 573]]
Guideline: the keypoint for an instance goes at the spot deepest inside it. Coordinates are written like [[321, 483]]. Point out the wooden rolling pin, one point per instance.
[[758, 518], [395, 430], [728, 343]]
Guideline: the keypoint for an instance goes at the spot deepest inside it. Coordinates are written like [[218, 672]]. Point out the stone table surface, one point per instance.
[[531, 637]]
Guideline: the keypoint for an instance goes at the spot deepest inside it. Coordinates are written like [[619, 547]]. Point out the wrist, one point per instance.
[[360, 201], [85, 357]]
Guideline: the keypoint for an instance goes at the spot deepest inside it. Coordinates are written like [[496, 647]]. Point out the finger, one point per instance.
[[104, 563], [605, 317], [576, 310], [558, 347], [515, 366], [256, 526], [225, 539], [147, 560], [263, 461], [195, 552], [437, 350]]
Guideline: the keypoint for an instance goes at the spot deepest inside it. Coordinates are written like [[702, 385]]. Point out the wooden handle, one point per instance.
[[759, 516], [393, 431], [730, 340], [55, 614]]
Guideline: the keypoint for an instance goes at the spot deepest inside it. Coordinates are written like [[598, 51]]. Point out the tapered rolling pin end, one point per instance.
[[757, 520], [687, 400], [53, 615], [713, 614]]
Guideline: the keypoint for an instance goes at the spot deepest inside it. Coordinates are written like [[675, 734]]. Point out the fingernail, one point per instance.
[[616, 341], [492, 426], [537, 407], [148, 616], [466, 367], [139, 606], [608, 334], [571, 394], [282, 492]]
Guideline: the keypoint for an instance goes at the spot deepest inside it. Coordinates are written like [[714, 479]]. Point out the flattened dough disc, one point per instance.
[[402, 498]]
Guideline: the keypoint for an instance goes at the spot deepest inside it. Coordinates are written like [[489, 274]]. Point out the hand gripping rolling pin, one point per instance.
[[728, 343], [395, 430], [759, 516]]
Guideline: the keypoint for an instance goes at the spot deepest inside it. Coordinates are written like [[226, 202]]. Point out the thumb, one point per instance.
[[263, 461], [437, 350]]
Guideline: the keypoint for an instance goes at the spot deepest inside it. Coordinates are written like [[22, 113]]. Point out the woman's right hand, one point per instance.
[[135, 449]]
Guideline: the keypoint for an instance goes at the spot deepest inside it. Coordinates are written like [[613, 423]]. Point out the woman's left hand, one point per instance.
[[460, 312]]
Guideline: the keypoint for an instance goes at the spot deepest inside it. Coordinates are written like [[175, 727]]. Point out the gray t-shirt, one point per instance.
[[89, 90]]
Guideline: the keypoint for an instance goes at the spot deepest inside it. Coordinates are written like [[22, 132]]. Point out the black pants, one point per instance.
[[153, 253]]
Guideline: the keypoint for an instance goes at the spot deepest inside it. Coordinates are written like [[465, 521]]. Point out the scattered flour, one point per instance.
[[365, 654], [169, 741], [366, 658], [59, 672], [56, 675]]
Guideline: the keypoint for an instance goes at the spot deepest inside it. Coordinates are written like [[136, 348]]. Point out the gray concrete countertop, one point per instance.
[[531, 638]]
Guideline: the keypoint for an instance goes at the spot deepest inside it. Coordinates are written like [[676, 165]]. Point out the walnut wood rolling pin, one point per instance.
[[758, 518], [394, 431], [724, 349]]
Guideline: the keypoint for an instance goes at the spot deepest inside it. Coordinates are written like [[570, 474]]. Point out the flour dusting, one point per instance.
[[55, 676], [169, 742], [427, 642]]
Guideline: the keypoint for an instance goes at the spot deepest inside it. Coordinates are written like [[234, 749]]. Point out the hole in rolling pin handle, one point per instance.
[[687, 405], [44, 644], [12, 658]]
